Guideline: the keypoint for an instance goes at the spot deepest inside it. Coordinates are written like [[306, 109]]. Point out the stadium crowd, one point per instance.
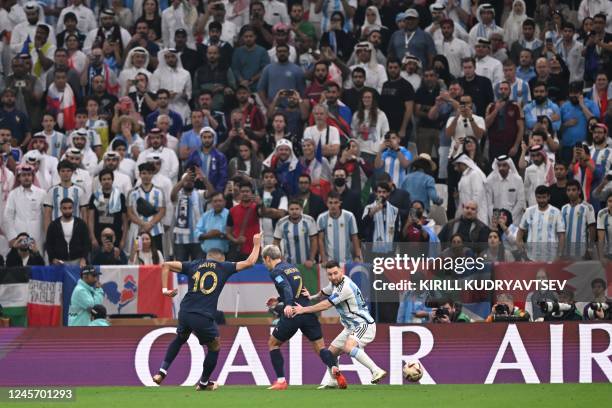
[[141, 130]]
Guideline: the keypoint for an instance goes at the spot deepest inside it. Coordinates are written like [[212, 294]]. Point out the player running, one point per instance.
[[288, 282], [199, 306], [359, 326]]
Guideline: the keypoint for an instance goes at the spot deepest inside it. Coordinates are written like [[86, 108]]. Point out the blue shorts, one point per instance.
[[307, 323], [203, 327]]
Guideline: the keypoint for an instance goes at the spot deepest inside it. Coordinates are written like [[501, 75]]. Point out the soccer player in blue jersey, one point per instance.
[[199, 306], [290, 286], [359, 326]]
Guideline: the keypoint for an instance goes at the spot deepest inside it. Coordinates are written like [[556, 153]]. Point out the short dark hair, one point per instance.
[[540, 132], [540, 83], [334, 195], [529, 23], [359, 70], [468, 59], [163, 91], [217, 193], [575, 87], [542, 190], [66, 201], [65, 164], [567, 24], [146, 166], [268, 171], [282, 46], [245, 184], [305, 176], [573, 183], [385, 186], [106, 172], [295, 201], [332, 264]]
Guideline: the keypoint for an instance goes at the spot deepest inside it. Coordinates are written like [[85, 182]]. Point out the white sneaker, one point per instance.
[[330, 385], [377, 376]]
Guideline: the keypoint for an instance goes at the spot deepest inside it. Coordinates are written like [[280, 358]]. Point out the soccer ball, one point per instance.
[[413, 371]]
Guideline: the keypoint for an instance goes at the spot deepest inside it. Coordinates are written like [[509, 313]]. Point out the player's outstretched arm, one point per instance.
[[175, 267], [319, 307], [253, 256]]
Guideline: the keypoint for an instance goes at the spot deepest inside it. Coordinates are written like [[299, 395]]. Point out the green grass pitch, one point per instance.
[[497, 396]]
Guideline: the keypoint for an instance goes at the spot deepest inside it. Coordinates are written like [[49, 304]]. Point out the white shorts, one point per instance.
[[363, 334]]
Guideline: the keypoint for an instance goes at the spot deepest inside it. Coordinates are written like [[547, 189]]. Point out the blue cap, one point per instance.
[[400, 16]]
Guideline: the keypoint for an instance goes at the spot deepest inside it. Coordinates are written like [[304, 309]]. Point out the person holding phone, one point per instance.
[[108, 253]]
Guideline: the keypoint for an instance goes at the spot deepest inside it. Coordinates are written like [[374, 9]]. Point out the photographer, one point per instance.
[[564, 309], [24, 252], [448, 311], [505, 310], [600, 307], [108, 253], [393, 158]]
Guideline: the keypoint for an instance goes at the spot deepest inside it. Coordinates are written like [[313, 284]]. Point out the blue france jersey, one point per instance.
[[289, 283], [206, 281]]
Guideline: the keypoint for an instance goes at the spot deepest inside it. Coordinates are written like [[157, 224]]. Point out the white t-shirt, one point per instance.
[[67, 227], [461, 131], [266, 223]]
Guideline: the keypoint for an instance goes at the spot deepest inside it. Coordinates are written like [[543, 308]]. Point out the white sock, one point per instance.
[[363, 358], [281, 379]]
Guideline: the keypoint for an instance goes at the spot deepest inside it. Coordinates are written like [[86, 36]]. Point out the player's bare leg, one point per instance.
[[278, 363], [337, 380], [351, 347], [210, 362]]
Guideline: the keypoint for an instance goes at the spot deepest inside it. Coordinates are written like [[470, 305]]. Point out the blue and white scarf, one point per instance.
[[384, 226], [114, 201]]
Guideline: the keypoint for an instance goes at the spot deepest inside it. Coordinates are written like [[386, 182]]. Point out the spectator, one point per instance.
[[355, 167], [312, 204], [381, 221], [467, 225], [163, 108], [544, 228], [496, 252], [297, 233], [419, 182], [375, 73], [340, 115], [574, 116], [519, 88], [420, 43], [24, 252], [214, 76], [211, 162], [245, 162], [24, 218], [393, 159], [338, 233], [428, 95], [505, 124], [270, 82], [170, 75], [87, 293], [558, 194], [583, 169], [109, 253], [65, 189], [286, 167], [504, 188], [107, 210], [15, 120], [579, 219], [351, 200], [249, 60], [487, 66], [98, 313], [211, 227], [156, 144], [369, 125], [271, 205], [350, 96], [539, 172], [243, 223], [325, 136], [145, 252], [471, 186], [479, 88], [451, 46], [397, 100], [528, 40], [68, 238], [80, 176]]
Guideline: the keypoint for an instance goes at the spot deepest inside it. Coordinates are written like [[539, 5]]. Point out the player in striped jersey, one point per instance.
[[579, 219], [604, 229], [65, 189], [544, 227], [600, 152], [359, 326], [298, 234], [338, 232], [393, 158], [146, 206]]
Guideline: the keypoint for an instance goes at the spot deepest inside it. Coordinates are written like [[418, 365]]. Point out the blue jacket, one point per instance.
[[217, 168], [83, 298], [422, 187], [176, 122], [577, 133], [531, 114]]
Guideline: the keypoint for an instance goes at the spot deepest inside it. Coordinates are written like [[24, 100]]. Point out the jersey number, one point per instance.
[[299, 291], [198, 282]]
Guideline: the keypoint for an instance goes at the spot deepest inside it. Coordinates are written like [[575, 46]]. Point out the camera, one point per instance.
[[555, 307], [26, 243], [605, 307], [502, 309], [441, 312]]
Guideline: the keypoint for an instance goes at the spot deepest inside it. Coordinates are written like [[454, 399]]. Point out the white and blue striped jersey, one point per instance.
[[155, 197], [295, 237], [577, 220], [604, 223], [338, 233], [349, 303], [602, 157], [542, 226], [57, 193], [392, 164], [56, 143], [187, 212]]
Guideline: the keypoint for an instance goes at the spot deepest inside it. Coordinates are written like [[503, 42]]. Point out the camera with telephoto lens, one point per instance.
[[441, 312], [502, 309], [555, 307], [605, 307]]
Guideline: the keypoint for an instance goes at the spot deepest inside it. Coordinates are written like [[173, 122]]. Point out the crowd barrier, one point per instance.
[[479, 353]]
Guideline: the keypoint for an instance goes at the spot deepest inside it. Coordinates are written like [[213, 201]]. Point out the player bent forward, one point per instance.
[[359, 326], [207, 277], [289, 284]]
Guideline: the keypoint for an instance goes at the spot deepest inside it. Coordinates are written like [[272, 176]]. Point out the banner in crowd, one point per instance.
[[477, 353]]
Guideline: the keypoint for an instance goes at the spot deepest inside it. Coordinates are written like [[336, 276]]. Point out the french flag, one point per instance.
[[45, 296]]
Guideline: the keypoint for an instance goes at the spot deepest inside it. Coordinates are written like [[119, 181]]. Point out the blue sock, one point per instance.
[[173, 350], [210, 362], [278, 363], [327, 357]]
